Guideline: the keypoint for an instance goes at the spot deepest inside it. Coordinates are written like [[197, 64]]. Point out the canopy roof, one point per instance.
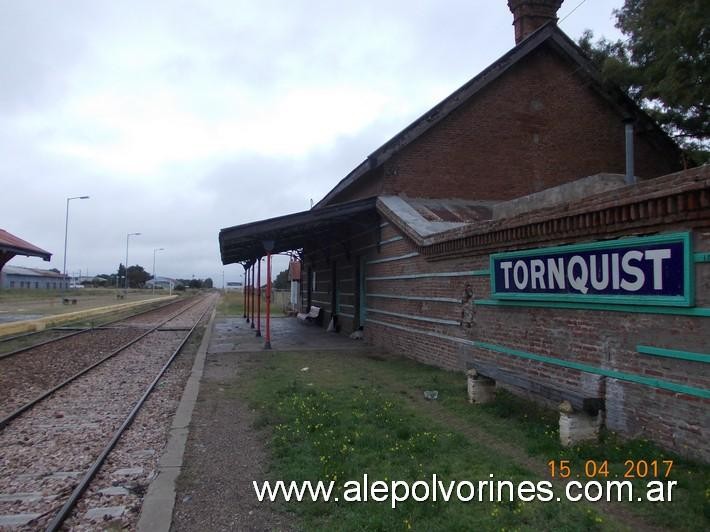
[[14, 245], [315, 228]]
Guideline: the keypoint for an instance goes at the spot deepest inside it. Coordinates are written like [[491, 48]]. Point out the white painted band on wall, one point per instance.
[[346, 294], [390, 240], [418, 298], [392, 259], [348, 306], [416, 318], [326, 303], [343, 315], [423, 275]]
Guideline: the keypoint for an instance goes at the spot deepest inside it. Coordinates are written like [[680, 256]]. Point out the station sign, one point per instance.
[[651, 270]]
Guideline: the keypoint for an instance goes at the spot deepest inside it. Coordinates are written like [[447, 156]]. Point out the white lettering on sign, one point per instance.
[[581, 272]]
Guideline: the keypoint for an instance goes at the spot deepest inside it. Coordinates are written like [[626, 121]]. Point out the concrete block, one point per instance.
[[481, 390], [576, 427]]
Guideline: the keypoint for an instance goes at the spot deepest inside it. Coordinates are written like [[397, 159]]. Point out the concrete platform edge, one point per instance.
[[158, 504], [39, 324]]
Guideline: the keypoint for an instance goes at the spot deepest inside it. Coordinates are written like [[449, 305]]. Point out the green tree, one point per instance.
[[281, 281], [137, 276], [663, 64], [207, 283]]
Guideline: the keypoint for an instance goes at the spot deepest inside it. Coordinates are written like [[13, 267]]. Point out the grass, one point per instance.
[[348, 415], [232, 304]]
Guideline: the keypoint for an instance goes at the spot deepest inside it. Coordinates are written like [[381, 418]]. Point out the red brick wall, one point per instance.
[[537, 126], [599, 338], [424, 324]]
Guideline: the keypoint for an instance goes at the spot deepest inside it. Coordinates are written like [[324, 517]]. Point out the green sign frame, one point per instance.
[[684, 300]]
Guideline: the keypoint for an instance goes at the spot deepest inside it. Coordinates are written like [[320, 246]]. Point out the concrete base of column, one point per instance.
[[481, 390], [577, 427]]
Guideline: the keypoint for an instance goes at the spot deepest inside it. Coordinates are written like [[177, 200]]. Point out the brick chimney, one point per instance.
[[529, 15]]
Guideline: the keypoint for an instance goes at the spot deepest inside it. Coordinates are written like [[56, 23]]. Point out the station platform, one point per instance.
[[287, 334], [214, 448]]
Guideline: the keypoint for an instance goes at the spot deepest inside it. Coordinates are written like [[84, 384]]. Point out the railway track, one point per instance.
[[31, 372], [51, 449]]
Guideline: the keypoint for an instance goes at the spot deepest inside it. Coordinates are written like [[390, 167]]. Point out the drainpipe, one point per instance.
[[630, 178]]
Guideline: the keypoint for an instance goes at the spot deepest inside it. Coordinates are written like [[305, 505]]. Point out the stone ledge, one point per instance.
[[19, 327]]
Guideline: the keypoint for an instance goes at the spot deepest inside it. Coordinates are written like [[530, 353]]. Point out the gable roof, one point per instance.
[[550, 35], [14, 245]]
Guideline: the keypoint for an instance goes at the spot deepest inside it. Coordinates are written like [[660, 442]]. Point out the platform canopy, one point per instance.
[[11, 245], [315, 228]]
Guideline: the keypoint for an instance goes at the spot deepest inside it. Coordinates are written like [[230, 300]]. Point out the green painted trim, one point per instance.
[[622, 376], [417, 298], [392, 259], [686, 300], [415, 318], [426, 275], [673, 353], [702, 312], [348, 306], [701, 257], [480, 273]]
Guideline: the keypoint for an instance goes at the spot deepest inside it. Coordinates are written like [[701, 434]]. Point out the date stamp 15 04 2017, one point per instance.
[[595, 469]]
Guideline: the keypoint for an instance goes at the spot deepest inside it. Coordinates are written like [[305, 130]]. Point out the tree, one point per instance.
[[664, 65], [281, 281], [137, 276], [207, 283]]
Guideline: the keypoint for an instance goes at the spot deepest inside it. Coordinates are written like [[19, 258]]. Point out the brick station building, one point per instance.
[[535, 226]]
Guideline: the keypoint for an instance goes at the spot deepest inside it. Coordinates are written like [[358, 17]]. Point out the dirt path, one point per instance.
[[224, 454]]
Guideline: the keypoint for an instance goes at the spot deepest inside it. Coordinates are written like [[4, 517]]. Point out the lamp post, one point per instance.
[[66, 232], [154, 252], [128, 237]]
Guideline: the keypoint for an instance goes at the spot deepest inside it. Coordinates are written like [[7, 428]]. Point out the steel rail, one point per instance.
[[78, 491], [52, 340], [4, 422]]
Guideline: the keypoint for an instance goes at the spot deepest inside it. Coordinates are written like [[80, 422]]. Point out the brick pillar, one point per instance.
[[529, 15], [481, 390]]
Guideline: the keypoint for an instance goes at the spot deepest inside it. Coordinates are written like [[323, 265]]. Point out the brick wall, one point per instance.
[[537, 126], [419, 316]]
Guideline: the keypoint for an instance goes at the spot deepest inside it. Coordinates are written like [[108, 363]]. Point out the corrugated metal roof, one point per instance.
[[10, 243], [30, 272]]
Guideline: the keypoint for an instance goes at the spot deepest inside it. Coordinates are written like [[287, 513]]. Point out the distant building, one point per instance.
[[234, 285], [162, 282], [32, 279]]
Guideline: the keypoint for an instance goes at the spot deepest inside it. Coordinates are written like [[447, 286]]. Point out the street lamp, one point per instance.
[[154, 252], [128, 236], [66, 231]]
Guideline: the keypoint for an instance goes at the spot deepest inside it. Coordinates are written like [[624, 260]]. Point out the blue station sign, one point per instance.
[[652, 270]]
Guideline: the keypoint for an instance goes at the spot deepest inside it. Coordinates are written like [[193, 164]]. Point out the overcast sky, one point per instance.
[[179, 118]]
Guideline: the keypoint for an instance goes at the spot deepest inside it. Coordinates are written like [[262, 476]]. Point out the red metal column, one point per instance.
[[267, 343], [247, 272], [258, 298], [252, 296]]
